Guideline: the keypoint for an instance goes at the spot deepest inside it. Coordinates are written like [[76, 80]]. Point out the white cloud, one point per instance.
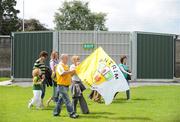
[[122, 15]]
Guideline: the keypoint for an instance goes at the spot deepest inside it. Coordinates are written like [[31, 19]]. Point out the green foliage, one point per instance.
[[32, 25], [8, 17], [76, 15], [147, 104]]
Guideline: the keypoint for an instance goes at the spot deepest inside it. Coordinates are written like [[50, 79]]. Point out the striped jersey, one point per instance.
[[40, 65]]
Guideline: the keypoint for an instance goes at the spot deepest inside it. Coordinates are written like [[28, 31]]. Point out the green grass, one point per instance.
[[148, 104], [4, 79]]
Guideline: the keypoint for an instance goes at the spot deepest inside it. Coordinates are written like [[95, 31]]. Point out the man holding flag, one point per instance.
[[63, 75]]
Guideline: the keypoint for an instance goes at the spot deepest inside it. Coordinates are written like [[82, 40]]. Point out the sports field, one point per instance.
[[148, 103]]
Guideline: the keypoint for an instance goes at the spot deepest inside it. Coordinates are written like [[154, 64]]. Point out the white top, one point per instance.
[[74, 77]]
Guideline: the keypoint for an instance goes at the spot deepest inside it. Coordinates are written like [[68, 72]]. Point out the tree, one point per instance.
[[76, 15], [32, 25], [8, 17]]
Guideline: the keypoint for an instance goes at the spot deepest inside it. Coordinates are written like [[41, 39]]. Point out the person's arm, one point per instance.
[[72, 67], [36, 81], [52, 65], [62, 72], [40, 81], [124, 71]]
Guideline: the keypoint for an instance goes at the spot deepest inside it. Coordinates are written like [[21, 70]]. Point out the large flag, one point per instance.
[[102, 74]]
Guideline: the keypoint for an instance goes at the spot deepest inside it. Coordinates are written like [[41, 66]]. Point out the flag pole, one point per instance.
[[23, 15]]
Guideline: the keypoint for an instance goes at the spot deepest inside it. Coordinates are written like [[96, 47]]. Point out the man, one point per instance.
[[63, 75], [40, 63]]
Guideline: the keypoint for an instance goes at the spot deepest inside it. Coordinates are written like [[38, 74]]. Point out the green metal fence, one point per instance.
[[25, 50], [155, 56]]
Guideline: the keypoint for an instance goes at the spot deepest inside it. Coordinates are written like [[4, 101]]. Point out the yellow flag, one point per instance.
[[101, 73]]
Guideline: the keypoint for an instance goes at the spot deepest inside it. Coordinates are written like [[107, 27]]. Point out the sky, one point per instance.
[[161, 16]]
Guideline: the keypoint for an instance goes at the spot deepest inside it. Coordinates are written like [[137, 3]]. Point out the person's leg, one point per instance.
[[56, 94], [83, 105], [97, 97], [128, 92], [48, 101], [43, 90], [53, 94], [57, 108], [74, 103], [91, 94], [33, 100], [66, 99], [38, 103], [68, 104], [115, 95]]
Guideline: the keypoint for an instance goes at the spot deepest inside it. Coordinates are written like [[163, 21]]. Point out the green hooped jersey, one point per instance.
[[35, 85], [40, 65]]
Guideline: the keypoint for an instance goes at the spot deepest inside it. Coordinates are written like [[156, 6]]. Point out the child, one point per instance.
[[37, 91]]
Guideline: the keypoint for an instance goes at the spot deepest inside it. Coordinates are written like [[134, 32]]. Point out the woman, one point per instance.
[[53, 62], [77, 88], [125, 70]]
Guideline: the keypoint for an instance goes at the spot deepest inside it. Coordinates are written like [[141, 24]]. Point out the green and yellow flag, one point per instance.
[[102, 74]]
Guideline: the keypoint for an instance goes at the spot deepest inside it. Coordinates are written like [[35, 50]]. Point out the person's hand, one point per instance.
[[130, 74], [73, 71], [43, 77]]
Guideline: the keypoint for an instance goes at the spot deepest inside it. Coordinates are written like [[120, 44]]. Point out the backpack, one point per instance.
[[48, 74]]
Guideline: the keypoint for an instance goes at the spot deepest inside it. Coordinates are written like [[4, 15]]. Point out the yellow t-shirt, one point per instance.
[[64, 80]]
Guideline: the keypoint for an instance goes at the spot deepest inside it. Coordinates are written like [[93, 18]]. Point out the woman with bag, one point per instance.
[[53, 62], [127, 74], [77, 88]]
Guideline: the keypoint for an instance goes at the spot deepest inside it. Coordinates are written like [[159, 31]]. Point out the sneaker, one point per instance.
[[56, 115], [128, 99], [74, 116], [30, 105], [77, 115], [42, 105], [86, 112]]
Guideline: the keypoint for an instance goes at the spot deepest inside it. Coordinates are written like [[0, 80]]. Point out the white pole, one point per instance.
[[23, 15]]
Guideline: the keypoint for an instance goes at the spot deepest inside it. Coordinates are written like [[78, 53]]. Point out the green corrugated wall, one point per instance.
[[154, 56], [26, 49]]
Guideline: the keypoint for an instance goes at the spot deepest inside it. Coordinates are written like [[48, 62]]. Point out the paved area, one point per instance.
[[132, 84]]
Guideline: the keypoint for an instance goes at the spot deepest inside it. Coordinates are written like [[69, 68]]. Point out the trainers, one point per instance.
[[30, 105], [74, 116], [56, 115]]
